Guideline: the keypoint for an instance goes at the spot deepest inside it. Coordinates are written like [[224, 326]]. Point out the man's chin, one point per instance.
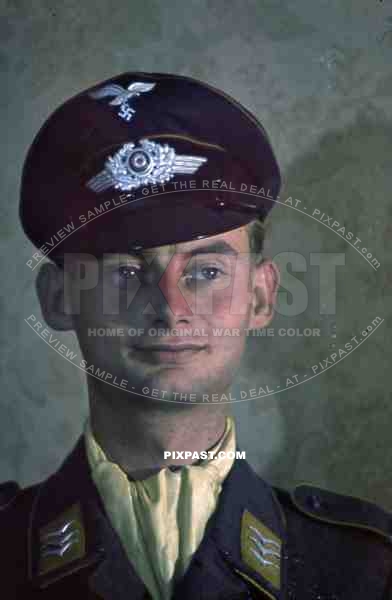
[[169, 381]]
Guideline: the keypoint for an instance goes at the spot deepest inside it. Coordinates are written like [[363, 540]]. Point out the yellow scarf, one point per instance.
[[161, 520]]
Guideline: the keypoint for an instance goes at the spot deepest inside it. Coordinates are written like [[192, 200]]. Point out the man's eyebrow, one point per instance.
[[214, 248]]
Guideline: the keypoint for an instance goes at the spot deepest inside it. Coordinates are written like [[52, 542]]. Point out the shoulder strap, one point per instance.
[[15, 507], [324, 557], [340, 509], [8, 493]]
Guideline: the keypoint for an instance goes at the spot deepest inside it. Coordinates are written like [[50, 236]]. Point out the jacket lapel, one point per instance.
[[70, 531], [243, 546]]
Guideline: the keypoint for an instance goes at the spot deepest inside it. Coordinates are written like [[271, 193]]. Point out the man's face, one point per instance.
[[197, 294]]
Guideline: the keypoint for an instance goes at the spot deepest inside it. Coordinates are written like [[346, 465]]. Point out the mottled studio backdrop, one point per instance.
[[318, 75]]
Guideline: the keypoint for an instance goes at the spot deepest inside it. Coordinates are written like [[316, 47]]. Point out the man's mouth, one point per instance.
[[168, 353]]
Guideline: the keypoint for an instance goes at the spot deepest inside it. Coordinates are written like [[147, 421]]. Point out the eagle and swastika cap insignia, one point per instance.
[[121, 96]]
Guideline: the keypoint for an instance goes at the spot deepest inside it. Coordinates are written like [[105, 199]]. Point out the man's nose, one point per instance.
[[174, 299]]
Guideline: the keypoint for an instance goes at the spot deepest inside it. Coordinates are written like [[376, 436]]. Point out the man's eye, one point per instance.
[[128, 272], [207, 273]]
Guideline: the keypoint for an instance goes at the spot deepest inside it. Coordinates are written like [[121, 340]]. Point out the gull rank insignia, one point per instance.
[[62, 541], [260, 549], [122, 96]]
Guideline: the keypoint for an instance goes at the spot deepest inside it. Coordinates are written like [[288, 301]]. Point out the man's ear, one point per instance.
[[51, 290], [266, 281]]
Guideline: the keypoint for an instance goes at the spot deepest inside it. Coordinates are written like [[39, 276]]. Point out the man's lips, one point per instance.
[[175, 353], [168, 347]]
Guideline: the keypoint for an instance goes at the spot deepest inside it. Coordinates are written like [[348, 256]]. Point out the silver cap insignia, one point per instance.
[[122, 95], [149, 163]]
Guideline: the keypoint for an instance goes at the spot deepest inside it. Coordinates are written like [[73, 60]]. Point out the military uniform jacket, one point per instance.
[[262, 542]]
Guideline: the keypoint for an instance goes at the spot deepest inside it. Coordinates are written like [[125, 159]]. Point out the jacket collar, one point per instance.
[[69, 531]]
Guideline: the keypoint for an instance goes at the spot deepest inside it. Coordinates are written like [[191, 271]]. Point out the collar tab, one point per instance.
[[62, 537], [62, 541], [261, 548]]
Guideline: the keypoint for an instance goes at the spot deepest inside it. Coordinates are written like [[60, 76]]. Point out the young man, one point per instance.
[[155, 188]]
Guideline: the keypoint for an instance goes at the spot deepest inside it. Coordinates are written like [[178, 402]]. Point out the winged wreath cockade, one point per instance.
[[148, 163]]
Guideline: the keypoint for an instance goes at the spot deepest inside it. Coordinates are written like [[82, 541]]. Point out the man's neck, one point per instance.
[[135, 435]]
